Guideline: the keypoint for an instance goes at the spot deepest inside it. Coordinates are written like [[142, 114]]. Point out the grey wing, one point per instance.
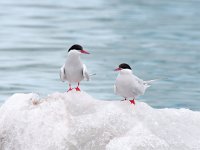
[[63, 76], [146, 84], [85, 73], [139, 87], [140, 81], [115, 89]]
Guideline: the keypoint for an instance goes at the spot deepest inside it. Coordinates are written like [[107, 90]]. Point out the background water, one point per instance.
[[158, 38]]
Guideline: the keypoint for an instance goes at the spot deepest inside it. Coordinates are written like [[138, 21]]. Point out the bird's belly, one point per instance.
[[127, 89], [74, 75], [124, 91]]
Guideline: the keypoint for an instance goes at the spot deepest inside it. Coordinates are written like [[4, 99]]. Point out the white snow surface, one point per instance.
[[77, 121]]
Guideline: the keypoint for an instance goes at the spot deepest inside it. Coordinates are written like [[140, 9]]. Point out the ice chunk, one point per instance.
[[76, 121]]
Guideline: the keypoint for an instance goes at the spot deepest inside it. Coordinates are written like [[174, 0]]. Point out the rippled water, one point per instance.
[[157, 38]]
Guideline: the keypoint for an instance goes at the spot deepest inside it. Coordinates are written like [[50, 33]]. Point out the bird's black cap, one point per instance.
[[124, 66], [75, 47]]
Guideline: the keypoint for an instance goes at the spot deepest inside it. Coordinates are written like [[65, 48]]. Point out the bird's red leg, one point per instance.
[[132, 101], [77, 88], [70, 88]]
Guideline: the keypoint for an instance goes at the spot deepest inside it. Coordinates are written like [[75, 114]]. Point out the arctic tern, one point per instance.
[[74, 70], [128, 85]]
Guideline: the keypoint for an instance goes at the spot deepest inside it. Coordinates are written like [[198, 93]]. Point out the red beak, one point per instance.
[[117, 69], [84, 52]]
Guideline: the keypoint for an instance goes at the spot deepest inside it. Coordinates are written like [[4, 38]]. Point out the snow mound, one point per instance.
[[76, 121]]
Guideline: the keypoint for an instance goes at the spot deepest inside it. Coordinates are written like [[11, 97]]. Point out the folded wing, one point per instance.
[[85, 73], [63, 76]]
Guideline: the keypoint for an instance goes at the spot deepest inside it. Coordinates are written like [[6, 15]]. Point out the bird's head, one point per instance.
[[123, 67], [77, 49]]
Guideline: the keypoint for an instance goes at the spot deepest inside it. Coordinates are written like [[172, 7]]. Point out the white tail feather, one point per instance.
[[151, 81], [93, 74]]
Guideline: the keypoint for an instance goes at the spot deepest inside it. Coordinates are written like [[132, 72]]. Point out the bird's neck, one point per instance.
[[126, 72], [73, 56]]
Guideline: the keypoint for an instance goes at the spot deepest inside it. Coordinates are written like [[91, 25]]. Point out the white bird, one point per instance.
[[128, 85], [74, 70]]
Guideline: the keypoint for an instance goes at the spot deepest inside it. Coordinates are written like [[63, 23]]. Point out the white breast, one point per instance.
[[74, 70], [73, 67]]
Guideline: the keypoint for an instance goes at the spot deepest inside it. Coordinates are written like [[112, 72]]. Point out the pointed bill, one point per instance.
[[117, 69], [84, 52]]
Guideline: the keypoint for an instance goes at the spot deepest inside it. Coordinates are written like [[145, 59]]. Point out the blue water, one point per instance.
[[158, 38]]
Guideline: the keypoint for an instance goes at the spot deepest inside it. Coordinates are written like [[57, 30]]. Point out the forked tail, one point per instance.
[[149, 82]]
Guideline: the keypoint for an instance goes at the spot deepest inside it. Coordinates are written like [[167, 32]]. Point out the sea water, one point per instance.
[[159, 39]]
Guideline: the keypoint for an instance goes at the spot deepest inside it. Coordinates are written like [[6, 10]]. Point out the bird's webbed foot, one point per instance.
[[132, 101], [70, 88], [78, 89]]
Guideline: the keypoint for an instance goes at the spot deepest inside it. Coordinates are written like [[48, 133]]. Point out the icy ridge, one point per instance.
[[77, 121]]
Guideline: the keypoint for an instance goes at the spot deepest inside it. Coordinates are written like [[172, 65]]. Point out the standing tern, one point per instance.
[[74, 70], [128, 85]]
